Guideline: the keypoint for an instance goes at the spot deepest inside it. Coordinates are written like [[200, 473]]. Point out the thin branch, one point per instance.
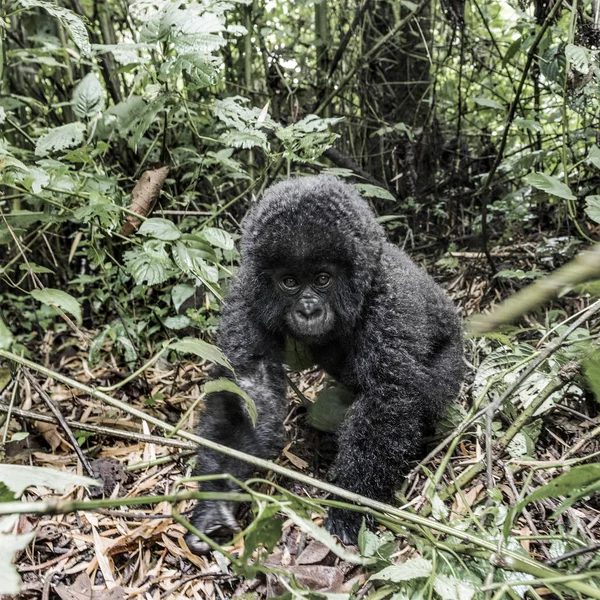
[[509, 119], [358, 17], [119, 433], [53, 406], [584, 267]]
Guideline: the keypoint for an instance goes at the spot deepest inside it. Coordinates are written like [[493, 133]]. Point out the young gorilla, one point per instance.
[[316, 267]]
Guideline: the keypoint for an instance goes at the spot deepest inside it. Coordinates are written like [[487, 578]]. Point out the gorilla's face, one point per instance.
[[308, 296]]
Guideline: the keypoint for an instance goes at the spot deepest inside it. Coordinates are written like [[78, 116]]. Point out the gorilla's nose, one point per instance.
[[309, 309]]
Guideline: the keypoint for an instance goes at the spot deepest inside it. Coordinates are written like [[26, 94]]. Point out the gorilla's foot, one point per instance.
[[345, 524], [217, 521]]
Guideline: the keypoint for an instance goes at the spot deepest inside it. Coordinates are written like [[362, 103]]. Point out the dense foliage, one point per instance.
[[134, 135]]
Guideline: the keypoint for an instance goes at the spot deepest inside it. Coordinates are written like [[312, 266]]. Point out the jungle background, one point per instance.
[[133, 138]]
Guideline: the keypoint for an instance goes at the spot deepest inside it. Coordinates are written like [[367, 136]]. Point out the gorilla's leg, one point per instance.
[[226, 421]]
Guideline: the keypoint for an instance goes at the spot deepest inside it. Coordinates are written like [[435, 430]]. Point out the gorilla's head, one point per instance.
[[310, 249]]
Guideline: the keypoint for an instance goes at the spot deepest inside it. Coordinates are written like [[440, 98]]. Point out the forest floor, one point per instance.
[[140, 552]]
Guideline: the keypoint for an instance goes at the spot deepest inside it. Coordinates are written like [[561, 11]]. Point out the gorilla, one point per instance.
[[316, 268]]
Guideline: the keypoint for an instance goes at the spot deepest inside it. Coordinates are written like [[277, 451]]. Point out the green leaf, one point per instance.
[[329, 409], [307, 139], [591, 368], [10, 582], [451, 588], [202, 349], [161, 229], [226, 385], [528, 124], [373, 191], [512, 50], [150, 264], [566, 484], [594, 156], [68, 18], [5, 378], [66, 136], [180, 293], [17, 478], [88, 97], [6, 337], [519, 274], [190, 260], [59, 299], [297, 355], [218, 237], [264, 531], [371, 544], [592, 209], [34, 268], [550, 184], [198, 67], [24, 218], [176, 322], [413, 568], [579, 57], [487, 102]]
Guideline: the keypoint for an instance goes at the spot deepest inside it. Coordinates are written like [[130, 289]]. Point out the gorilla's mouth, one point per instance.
[[313, 328]]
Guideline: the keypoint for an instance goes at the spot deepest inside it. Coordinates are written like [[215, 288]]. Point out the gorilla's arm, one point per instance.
[[407, 366], [257, 360], [377, 441]]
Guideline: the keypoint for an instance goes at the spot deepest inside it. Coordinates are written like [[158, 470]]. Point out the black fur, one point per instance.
[[395, 341]]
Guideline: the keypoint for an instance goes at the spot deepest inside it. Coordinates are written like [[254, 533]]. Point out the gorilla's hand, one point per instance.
[[345, 524], [216, 520]]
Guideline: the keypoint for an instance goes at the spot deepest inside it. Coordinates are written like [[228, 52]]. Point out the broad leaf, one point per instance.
[[203, 350], [413, 568], [568, 484], [591, 368], [190, 260], [6, 336], [320, 534], [180, 293], [579, 57], [329, 409], [218, 237], [177, 322], [451, 588], [592, 209], [68, 18], [66, 136], [10, 582], [489, 103], [226, 385], [528, 124], [17, 478], [373, 191], [550, 184], [59, 299], [88, 97], [161, 229], [150, 264]]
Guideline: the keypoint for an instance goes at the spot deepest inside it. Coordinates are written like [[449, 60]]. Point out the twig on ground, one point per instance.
[[61, 420]]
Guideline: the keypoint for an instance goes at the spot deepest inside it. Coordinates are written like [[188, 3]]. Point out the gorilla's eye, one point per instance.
[[289, 283], [322, 280]]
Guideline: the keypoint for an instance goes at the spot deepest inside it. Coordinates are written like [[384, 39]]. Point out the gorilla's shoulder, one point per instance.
[[412, 284]]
